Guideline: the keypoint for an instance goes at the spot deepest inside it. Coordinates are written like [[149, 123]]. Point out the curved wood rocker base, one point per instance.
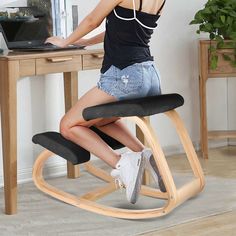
[[173, 196], [87, 201]]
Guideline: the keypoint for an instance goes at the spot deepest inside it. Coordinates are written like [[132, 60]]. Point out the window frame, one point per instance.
[[59, 17]]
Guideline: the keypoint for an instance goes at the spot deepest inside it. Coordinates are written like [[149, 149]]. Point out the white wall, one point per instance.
[[174, 45], [83, 10], [13, 3]]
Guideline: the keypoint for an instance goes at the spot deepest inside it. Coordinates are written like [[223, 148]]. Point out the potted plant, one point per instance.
[[218, 18]]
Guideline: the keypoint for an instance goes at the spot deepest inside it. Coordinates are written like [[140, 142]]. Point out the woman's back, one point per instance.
[[128, 32], [148, 6]]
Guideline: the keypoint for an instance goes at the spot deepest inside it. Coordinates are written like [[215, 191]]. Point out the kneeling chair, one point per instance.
[[135, 110]]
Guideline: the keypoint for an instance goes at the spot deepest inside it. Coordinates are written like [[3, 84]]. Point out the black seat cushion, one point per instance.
[[70, 151], [109, 140], [135, 107], [57, 144]]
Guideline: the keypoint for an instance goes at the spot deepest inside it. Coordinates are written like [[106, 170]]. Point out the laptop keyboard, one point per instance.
[[46, 45], [49, 46]]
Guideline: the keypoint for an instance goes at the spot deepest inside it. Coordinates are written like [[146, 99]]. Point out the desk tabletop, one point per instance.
[[16, 55]]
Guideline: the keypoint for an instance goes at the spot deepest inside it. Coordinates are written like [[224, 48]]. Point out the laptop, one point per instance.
[[29, 34]]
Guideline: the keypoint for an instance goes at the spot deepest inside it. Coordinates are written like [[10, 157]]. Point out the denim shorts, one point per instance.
[[134, 81]]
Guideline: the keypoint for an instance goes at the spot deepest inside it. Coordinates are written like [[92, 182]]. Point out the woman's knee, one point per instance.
[[64, 129]]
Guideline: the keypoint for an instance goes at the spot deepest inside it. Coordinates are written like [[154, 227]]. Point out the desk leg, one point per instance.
[[140, 136], [203, 117], [71, 97], [9, 73]]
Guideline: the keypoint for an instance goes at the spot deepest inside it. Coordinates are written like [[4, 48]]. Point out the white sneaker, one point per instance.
[[151, 166], [129, 172]]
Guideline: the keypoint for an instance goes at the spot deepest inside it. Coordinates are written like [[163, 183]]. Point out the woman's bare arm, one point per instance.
[[99, 38], [90, 22]]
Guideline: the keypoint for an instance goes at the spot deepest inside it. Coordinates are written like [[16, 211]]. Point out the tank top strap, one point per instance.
[[140, 5], [161, 7], [135, 17]]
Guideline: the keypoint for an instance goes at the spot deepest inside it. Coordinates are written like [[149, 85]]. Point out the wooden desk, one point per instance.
[[14, 65], [223, 70]]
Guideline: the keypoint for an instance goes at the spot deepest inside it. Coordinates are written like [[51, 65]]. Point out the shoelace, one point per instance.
[[119, 184]]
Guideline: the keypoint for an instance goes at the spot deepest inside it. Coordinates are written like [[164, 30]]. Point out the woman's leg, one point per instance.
[[118, 130], [76, 129]]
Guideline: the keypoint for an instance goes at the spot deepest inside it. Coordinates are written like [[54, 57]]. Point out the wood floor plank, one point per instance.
[[219, 225]]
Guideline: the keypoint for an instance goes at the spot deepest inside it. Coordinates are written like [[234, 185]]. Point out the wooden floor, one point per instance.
[[222, 163], [221, 225]]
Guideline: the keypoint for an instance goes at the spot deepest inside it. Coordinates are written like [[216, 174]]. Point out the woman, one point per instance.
[[128, 71]]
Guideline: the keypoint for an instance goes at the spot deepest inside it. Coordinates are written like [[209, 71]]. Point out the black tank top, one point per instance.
[[127, 41]]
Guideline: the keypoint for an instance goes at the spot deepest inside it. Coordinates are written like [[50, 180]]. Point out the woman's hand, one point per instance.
[[60, 42]]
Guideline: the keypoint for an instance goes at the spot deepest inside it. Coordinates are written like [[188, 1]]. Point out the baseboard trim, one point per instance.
[[53, 170]]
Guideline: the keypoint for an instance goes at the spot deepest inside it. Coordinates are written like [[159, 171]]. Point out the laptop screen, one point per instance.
[[25, 30]]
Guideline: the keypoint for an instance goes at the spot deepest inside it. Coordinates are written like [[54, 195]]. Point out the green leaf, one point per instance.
[[198, 15], [214, 9], [196, 22], [232, 35], [217, 25], [214, 62], [206, 10], [230, 20], [222, 18], [223, 11], [226, 57], [219, 38], [212, 49], [220, 44], [233, 14], [212, 36], [193, 22], [209, 27], [202, 28]]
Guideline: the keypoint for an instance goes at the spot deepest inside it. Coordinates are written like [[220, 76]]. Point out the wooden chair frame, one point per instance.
[[173, 196]]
